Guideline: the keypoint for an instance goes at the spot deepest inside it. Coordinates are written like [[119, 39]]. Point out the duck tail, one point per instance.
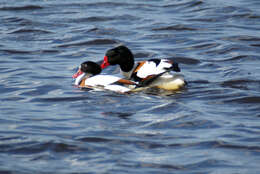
[[175, 67]]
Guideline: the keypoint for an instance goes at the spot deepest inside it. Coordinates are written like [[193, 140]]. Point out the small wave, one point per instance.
[[179, 27], [143, 144], [59, 99], [37, 147], [235, 58], [103, 18], [227, 145], [217, 144], [255, 45], [94, 140], [253, 16], [210, 162], [206, 19], [13, 19], [48, 51], [245, 100], [27, 7], [186, 4], [227, 9], [86, 4], [30, 31], [195, 3], [40, 90], [241, 38], [91, 42], [152, 165], [187, 166], [239, 83], [21, 21], [12, 51], [108, 31], [200, 82], [15, 99], [205, 46], [224, 50], [92, 19], [239, 58], [118, 114], [185, 60]]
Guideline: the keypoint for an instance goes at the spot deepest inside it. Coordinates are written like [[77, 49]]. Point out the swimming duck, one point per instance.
[[156, 69], [88, 76]]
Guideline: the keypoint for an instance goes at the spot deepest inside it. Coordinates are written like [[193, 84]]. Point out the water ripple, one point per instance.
[[47, 125], [21, 8], [240, 83], [186, 4], [91, 42], [30, 31], [175, 27], [36, 147], [245, 100], [242, 38]]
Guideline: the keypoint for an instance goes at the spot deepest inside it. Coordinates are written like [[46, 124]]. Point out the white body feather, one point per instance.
[[148, 68], [102, 81]]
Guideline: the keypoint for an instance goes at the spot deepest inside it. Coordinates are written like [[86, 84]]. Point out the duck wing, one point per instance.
[[146, 69], [151, 78]]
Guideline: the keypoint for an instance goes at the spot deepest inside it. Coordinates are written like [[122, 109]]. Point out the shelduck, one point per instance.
[[88, 76], [158, 70]]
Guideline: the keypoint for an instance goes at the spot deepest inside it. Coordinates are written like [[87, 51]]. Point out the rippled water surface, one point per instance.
[[49, 126]]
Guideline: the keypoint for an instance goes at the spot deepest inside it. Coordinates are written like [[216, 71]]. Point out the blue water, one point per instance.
[[49, 126]]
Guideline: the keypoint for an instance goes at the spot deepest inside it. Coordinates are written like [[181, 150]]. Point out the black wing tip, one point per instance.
[[175, 67]]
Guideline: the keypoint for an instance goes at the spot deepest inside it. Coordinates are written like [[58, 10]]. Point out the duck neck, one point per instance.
[[128, 74], [79, 79], [127, 66]]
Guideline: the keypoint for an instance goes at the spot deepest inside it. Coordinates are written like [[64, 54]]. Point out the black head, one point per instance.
[[120, 55], [90, 67]]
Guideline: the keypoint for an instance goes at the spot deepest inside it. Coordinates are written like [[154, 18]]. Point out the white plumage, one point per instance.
[[150, 68], [102, 82], [88, 76]]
